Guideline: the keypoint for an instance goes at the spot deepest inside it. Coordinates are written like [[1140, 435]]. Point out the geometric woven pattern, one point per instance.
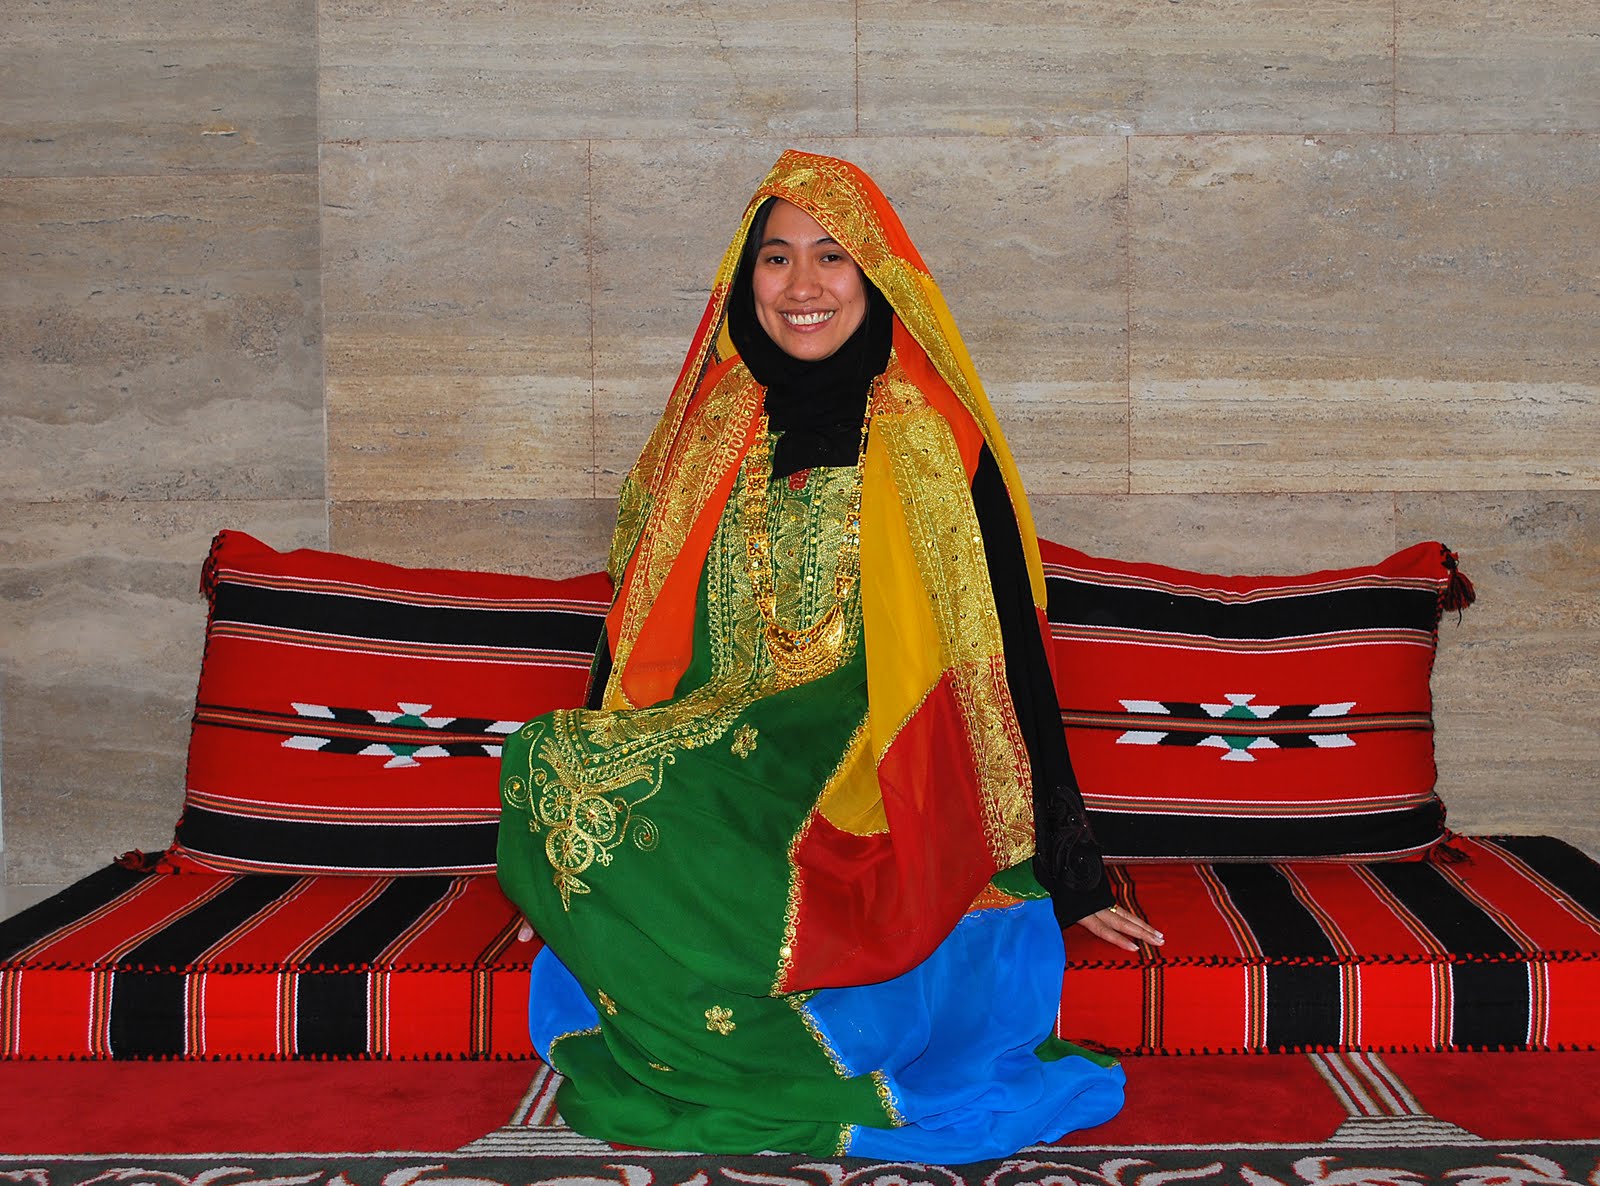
[[1497, 947], [1492, 944], [350, 714], [1252, 718]]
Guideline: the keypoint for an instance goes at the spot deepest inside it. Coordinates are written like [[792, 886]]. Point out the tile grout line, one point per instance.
[[1394, 67], [1127, 303], [589, 252]]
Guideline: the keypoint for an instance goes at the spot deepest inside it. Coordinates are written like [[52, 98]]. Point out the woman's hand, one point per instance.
[[1121, 929]]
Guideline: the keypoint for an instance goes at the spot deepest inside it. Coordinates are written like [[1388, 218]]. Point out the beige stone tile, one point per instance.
[[1486, 65], [88, 88], [457, 296], [1226, 533], [1004, 67], [1039, 300], [159, 338], [547, 537], [101, 625], [479, 69], [1517, 681], [1364, 313]]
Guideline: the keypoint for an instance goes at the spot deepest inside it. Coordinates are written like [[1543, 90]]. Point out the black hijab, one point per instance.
[[816, 408]]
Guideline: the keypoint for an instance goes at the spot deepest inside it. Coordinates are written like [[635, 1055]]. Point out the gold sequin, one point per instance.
[[720, 1020], [744, 741], [607, 1003]]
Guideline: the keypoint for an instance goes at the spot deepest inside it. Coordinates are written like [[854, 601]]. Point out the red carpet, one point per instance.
[[59, 1108]]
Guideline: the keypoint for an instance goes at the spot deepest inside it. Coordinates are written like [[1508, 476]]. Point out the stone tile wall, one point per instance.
[[1254, 286]]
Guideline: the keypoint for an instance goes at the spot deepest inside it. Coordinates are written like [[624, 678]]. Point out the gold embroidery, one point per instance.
[[583, 812], [720, 1020], [656, 1066], [714, 430], [950, 559], [799, 655], [607, 1003], [589, 771]]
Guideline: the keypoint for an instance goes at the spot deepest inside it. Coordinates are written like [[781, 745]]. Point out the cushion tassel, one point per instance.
[[146, 862], [1458, 591]]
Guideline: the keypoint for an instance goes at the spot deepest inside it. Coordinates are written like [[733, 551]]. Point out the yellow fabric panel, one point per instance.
[[852, 800], [904, 652]]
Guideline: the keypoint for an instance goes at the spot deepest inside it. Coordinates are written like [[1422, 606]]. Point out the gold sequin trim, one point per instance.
[[560, 1038], [891, 1106], [798, 1004]]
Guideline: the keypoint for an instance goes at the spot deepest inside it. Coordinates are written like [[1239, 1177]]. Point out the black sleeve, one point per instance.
[[1067, 859], [599, 670]]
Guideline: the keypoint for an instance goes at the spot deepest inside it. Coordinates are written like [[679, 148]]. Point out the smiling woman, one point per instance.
[[793, 862]]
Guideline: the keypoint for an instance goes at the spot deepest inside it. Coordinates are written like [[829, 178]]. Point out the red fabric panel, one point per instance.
[[868, 909]]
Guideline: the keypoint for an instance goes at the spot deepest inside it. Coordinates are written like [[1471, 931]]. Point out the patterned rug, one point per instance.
[[1462, 1120]]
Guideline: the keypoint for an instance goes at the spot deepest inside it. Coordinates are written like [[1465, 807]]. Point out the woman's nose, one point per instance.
[[804, 280]]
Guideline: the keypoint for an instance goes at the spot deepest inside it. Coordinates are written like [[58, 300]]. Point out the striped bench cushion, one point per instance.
[[1498, 948], [128, 964], [1494, 944]]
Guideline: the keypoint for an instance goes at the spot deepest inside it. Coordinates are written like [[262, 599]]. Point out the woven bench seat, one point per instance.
[[126, 964], [1492, 944], [1496, 946]]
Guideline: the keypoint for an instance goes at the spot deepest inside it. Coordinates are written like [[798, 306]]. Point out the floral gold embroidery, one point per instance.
[[720, 1020], [583, 812], [607, 1003], [744, 741], [656, 1066]]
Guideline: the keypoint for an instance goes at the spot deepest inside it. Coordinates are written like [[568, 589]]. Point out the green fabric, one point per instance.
[[673, 825]]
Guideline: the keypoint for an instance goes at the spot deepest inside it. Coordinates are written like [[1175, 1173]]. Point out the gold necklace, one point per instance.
[[799, 655]]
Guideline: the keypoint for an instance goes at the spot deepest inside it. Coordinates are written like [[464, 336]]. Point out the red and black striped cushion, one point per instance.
[[1497, 948], [1494, 943], [1252, 718], [129, 964], [350, 713]]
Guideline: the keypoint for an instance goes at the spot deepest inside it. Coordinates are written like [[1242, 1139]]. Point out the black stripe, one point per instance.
[[1127, 834], [1460, 925], [365, 617], [1077, 602], [1304, 1009], [149, 1004], [1491, 1004], [312, 846], [1303, 1006], [1282, 926], [331, 997], [28, 927], [1567, 868]]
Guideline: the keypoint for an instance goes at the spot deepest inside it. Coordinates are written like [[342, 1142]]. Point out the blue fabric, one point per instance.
[[954, 1040], [556, 1003]]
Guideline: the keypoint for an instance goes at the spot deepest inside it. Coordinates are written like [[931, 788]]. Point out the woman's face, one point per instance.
[[809, 293]]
